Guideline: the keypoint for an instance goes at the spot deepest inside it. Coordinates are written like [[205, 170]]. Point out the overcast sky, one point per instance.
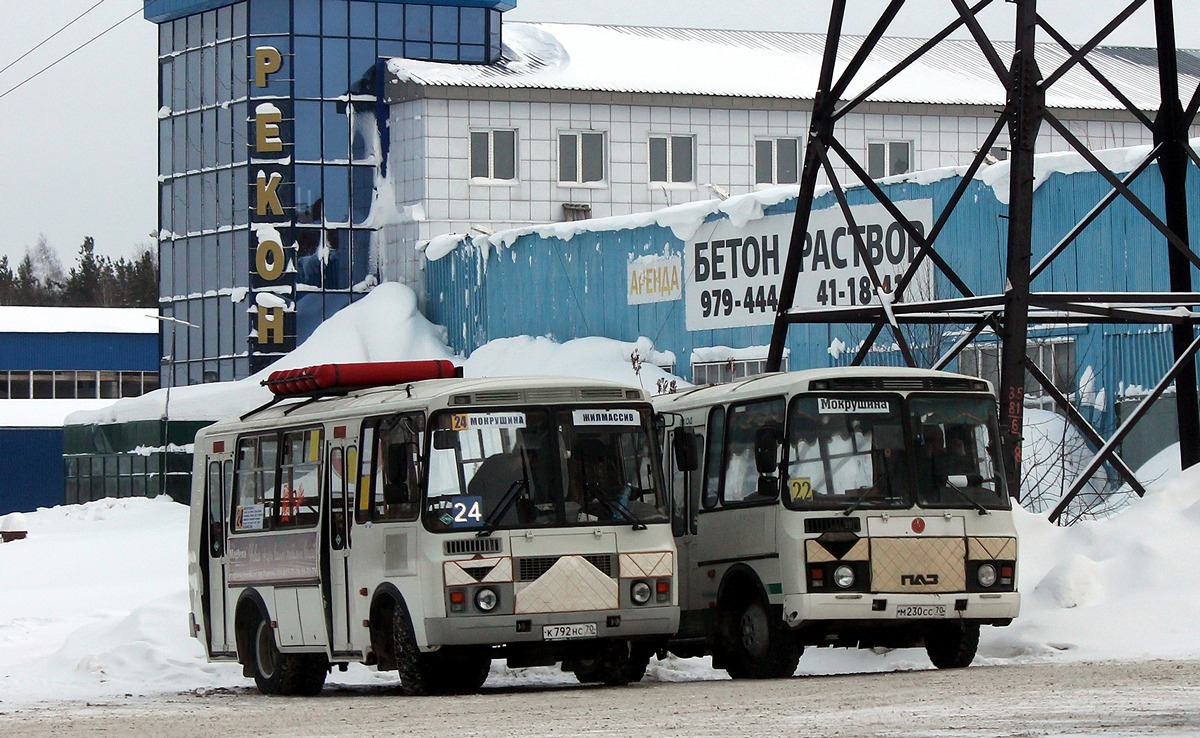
[[78, 144]]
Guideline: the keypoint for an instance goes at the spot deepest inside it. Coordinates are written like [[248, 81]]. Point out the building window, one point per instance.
[[719, 372], [672, 160], [888, 158], [1056, 359], [494, 155], [580, 158], [71, 385], [777, 161]]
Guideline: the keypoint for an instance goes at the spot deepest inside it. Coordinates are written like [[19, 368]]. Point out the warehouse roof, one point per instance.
[[558, 56], [26, 319]]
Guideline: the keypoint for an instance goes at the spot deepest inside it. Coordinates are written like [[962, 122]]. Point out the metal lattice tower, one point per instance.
[[1010, 314]]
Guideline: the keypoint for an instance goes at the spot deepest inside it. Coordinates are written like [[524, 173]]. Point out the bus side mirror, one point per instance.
[[687, 457], [766, 449], [444, 440]]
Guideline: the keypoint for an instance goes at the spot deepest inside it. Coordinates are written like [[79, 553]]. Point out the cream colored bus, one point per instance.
[[854, 507], [375, 513]]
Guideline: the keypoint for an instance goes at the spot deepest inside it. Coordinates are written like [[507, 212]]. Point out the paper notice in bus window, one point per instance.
[[847, 406], [801, 488], [606, 417], [248, 517], [480, 421]]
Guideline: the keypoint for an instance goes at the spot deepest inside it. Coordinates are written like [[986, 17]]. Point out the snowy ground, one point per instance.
[[93, 603]]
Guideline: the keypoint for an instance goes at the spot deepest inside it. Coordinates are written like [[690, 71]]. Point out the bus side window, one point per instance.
[[712, 457], [300, 478], [216, 511], [395, 472], [254, 491], [753, 451]]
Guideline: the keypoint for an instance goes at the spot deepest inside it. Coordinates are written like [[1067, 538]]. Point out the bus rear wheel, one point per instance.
[[761, 645], [285, 674], [952, 645]]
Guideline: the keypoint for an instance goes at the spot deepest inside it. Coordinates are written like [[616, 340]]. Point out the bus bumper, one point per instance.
[[997, 607], [504, 629]]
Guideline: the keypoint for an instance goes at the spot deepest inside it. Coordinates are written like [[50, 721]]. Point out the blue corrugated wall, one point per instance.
[[37, 480], [572, 288], [82, 351]]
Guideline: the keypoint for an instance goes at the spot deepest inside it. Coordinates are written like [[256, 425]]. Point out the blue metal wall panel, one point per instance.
[[567, 289], [31, 469], [95, 351]]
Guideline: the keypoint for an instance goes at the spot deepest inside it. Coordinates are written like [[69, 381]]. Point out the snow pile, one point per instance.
[[87, 615], [386, 325]]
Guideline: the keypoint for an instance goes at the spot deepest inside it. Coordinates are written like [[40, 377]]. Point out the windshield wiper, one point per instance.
[[621, 510], [859, 501], [963, 494], [493, 518]]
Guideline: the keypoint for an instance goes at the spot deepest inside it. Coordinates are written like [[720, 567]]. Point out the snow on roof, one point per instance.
[[385, 325], [43, 413], [562, 56], [25, 319]]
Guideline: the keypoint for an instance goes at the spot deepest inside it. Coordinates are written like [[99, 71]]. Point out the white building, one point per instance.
[[590, 121]]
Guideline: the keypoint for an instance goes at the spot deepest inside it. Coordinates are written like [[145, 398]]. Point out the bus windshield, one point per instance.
[[537, 467], [955, 453], [873, 451], [846, 451]]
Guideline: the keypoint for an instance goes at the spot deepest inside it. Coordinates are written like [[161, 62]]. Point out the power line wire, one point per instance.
[[50, 37], [52, 64]]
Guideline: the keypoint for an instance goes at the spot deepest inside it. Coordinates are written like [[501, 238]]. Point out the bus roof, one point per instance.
[[474, 393], [850, 378]]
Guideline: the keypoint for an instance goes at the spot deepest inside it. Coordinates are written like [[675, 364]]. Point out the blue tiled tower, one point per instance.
[[272, 132]]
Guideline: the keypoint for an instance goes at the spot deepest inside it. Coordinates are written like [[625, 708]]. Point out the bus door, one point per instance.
[[383, 541], [215, 612], [685, 479], [740, 499], [342, 478]]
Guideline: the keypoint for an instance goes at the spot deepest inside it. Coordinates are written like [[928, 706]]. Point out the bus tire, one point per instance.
[[461, 671], [762, 647], [609, 666], [639, 659], [282, 673], [952, 645], [416, 669]]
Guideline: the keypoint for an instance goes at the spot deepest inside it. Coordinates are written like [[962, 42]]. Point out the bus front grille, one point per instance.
[[531, 568]]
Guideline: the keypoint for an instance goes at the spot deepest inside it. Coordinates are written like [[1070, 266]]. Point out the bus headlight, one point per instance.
[[843, 576], [640, 592], [986, 575], [486, 599]]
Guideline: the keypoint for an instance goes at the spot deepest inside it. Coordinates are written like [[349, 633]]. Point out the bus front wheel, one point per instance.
[[952, 645], [761, 646]]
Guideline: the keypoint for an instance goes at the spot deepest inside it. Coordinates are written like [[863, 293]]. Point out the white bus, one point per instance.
[[374, 514], [854, 507]]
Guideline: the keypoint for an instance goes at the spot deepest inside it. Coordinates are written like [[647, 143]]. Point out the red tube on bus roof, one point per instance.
[[329, 377]]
